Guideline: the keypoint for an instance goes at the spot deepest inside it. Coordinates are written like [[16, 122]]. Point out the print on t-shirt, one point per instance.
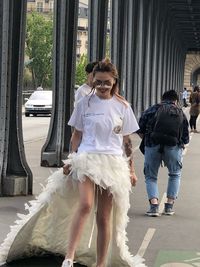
[[118, 122]]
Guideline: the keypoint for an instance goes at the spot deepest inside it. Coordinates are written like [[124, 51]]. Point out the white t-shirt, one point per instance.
[[103, 123], [83, 90]]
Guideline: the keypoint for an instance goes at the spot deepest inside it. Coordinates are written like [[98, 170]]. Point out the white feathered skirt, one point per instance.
[[45, 229]]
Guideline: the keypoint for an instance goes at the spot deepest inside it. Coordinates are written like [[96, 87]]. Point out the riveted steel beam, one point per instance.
[[130, 50], [97, 34], [16, 177], [119, 32], [65, 36], [140, 56]]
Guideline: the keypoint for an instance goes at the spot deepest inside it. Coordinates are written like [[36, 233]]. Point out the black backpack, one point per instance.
[[167, 125]]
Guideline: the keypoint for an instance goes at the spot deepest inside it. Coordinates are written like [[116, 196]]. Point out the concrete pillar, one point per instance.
[[16, 177]]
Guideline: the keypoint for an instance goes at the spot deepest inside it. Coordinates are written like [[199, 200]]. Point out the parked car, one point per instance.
[[40, 102]]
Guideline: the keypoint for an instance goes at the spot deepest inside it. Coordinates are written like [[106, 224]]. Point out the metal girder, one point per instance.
[[16, 177], [97, 32], [119, 15], [185, 15], [65, 36], [130, 49], [149, 39]]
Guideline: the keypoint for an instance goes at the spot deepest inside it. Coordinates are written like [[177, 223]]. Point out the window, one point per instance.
[[78, 51], [51, 6], [39, 7]]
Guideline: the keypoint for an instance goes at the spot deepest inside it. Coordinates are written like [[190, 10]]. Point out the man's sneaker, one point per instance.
[[168, 209], [153, 211], [67, 263]]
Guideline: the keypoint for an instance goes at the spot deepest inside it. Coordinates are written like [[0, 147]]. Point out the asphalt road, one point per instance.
[[35, 128]]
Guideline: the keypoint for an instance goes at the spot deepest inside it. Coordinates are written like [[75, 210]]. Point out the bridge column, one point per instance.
[[97, 31], [119, 39], [132, 16], [140, 56], [150, 19], [155, 52], [172, 65], [16, 177], [161, 61], [165, 57], [65, 36]]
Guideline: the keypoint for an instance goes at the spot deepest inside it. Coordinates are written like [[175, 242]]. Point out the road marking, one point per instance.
[[147, 238], [194, 259], [34, 140], [162, 203], [166, 258]]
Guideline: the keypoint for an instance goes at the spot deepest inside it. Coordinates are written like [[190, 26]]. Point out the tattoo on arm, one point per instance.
[[128, 147], [129, 152]]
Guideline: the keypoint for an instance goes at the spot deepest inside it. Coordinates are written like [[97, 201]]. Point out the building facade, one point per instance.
[[47, 6], [42, 6]]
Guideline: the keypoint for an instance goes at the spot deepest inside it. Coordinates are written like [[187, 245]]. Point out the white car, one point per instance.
[[40, 102]]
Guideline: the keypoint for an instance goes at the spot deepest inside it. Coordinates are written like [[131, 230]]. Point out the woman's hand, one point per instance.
[[66, 169], [133, 178]]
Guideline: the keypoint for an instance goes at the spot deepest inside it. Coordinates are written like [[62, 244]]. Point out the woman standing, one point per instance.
[[195, 108], [103, 121], [94, 184]]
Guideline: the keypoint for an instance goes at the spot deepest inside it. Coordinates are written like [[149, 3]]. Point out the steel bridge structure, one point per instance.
[[149, 41]]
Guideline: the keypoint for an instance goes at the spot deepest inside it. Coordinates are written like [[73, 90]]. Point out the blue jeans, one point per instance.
[[172, 159]]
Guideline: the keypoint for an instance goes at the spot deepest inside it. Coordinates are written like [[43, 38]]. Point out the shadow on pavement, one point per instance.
[[50, 261]]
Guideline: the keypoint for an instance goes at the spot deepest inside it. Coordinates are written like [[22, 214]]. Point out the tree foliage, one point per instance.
[[39, 46], [80, 70]]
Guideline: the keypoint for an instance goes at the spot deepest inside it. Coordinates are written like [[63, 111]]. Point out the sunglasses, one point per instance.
[[99, 83]]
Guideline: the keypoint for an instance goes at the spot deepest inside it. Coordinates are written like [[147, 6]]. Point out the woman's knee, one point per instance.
[[103, 220], [85, 208]]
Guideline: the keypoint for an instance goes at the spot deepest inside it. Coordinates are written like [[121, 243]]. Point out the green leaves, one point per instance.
[[81, 76], [39, 46]]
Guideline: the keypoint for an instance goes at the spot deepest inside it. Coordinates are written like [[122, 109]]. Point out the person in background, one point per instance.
[[85, 89], [164, 148], [184, 97], [194, 108]]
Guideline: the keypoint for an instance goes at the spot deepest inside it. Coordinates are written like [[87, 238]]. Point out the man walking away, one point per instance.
[[164, 128]]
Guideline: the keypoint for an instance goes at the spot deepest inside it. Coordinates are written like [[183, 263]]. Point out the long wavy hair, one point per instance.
[[106, 66]]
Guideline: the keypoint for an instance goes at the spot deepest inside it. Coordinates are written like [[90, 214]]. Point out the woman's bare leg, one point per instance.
[[103, 223], [86, 199]]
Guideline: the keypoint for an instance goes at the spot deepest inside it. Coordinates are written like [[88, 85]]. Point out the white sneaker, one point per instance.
[[67, 263]]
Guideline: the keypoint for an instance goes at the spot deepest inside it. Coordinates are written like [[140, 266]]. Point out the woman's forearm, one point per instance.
[[75, 140], [128, 149]]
